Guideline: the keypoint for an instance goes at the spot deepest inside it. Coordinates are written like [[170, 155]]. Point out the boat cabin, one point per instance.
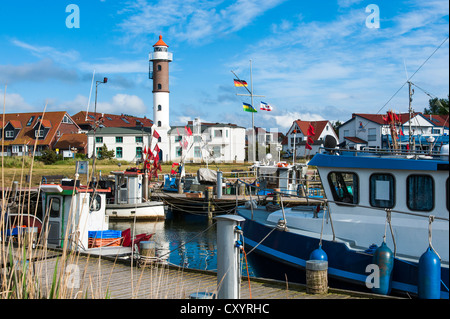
[[128, 187], [285, 177], [70, 212]]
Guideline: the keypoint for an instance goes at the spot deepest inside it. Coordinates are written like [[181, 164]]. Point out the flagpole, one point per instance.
[[253, 113], [253, 116]]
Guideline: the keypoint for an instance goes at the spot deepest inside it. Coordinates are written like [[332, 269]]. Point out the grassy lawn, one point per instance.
[[17, 169]]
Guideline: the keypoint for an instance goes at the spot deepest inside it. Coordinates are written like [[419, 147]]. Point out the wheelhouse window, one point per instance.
[[55, 206], [96, 203], [344, 187], [382, 190], [420, 190]]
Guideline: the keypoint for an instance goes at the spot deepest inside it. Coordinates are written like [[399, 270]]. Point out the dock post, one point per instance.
[[228, 256], [209, 198], [219, 185]]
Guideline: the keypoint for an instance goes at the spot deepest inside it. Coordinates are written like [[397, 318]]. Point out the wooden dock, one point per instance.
[[88, 276]]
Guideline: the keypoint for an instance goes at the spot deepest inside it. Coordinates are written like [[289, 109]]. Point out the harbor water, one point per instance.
[[184, 239]]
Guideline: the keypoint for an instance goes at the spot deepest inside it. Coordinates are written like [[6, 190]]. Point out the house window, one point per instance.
[[178, 151], [218, 133], [139, 139], [66, 120], [372, 136], [98, 150], [39, 133], [9, 134], [178, 138], [344, 187], [138, 152], [419, 192], [98, 139], [382, 190], [217, 151], [118, 152], [30, 120], [197, 152], [119, 139], [197, 139]]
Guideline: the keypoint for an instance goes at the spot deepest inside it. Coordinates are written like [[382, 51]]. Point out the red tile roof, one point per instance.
[[28, 121], [356, 140], [111, 120]]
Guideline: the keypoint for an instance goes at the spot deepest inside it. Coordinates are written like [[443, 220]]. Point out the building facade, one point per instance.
[[207, 142], [128, 143], [297, 137], [24, 131], [372, 131]]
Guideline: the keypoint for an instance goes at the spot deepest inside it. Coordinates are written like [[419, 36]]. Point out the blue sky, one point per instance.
[[312, 60]]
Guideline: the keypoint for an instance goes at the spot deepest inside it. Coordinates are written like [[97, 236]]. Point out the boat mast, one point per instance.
[[410, 115]]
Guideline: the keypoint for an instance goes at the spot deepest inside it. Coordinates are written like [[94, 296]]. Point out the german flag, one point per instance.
[[240, 83]]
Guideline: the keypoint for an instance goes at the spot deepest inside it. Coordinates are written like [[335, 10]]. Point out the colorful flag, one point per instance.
[[249, 108], [311, 130], [265, 107], [155, 134], [240, 83]]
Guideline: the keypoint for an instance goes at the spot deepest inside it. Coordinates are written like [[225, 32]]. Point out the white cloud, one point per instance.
[[13, 102], [191, 20], [46, 51]]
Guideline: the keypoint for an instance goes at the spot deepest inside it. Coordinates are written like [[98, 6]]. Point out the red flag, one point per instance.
[[156, 157], [307, 146], [156, 148], [159, 167], [188, 131], [145, 150], [311, 130], [401, 132], [155, 134], [310, 140]]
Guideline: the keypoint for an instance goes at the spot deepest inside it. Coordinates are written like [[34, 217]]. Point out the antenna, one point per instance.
[[90, 93], [406, 71]]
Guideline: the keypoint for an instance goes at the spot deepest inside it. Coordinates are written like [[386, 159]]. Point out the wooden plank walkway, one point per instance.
[[99, 278]]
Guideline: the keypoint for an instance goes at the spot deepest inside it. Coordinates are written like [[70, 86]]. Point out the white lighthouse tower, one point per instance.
[[159, 72]]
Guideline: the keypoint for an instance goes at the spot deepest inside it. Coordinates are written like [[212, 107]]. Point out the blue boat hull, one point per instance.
[[292, 250]]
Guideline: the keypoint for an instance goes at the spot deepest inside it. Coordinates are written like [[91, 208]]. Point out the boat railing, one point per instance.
[[422, 154]]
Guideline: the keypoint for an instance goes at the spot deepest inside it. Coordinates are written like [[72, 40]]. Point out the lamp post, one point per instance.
[[96, 123]]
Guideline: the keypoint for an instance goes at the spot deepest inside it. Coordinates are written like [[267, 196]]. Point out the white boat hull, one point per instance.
[[143, 211]]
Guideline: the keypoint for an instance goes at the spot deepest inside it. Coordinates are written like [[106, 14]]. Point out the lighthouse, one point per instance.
[[159, 72]]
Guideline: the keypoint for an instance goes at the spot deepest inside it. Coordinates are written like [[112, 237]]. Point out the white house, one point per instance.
[[297, 137], [371, 130], [128, 143], [218, 142]]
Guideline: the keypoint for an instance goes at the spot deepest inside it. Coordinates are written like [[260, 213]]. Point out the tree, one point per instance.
[[437, 107], [49, 157], [103, 153]]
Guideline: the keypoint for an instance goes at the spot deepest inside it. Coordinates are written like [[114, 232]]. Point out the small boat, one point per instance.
[[374, 200], [128, 200], [287, 178], [74, 218]]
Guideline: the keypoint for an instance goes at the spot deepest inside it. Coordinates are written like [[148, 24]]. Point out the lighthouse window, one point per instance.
[[159, 86], [382, 192], [159, 123], [159, 107], [420, 190], [344, 187], [159, 67]]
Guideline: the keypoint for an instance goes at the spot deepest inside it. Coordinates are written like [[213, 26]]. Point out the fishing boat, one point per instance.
[[377, 202], [129, 198], [74, 218], [282, 176]]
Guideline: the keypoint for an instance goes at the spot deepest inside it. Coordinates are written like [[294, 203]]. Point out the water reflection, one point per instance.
[[182, 239]]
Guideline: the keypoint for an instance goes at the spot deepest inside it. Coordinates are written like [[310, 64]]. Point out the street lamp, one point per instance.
[[96, 123]]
